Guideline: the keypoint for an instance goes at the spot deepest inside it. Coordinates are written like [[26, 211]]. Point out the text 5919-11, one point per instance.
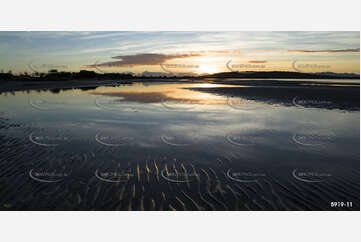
[[341, 204]]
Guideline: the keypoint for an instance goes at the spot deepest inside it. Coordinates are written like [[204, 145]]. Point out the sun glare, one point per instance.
[[207, 69]]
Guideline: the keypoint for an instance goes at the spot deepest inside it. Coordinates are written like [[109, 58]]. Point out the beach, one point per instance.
[[179, 145]]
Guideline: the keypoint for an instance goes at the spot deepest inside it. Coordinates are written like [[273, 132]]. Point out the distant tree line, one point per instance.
[[283, 75], [54, 75]]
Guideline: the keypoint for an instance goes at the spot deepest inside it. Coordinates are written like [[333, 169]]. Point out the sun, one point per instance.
[[203, 69]]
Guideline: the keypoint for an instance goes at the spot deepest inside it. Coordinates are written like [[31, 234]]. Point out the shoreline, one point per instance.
[[13, 86]]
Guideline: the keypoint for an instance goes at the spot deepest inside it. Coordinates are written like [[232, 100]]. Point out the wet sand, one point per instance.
[[151, 183], [324, 97]]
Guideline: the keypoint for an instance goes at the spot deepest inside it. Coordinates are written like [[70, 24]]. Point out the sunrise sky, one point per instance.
[[180, 52]]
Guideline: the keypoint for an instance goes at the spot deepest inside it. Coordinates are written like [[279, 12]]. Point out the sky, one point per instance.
[[180, 52]]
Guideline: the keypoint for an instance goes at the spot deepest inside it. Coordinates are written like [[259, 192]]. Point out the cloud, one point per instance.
[[327, 51], [147, 59], [257, 61], [106, 35], [143, 60], [219, 52]]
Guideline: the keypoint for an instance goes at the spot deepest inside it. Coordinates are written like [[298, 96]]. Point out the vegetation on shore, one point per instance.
[[54, 75]]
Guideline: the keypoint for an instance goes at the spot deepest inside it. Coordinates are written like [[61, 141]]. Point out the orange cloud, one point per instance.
[[327, 51], [257, 61]]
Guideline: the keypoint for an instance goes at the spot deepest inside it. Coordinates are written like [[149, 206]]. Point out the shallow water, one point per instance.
[[175, 146]]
